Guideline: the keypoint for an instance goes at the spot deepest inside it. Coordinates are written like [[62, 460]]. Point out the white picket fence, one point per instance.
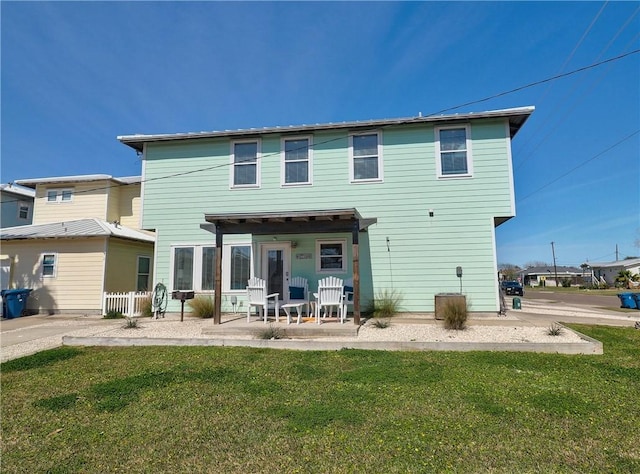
[[129, 304]]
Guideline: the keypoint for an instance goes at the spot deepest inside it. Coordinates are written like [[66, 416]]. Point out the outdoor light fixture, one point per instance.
[[430, 212]]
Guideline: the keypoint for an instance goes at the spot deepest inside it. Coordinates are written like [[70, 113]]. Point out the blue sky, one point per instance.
[[75, 75]]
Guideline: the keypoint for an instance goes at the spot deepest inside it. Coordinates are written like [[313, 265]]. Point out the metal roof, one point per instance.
[[516, 116], [540, 270], [18, 190], [629, 262], [73, 229], [86, 178]]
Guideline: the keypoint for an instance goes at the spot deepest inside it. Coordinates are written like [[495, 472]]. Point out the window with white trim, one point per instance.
[[365, 157], [143, 273], [245, 158], [240, 267], [23, 210], [49, 261], [59, 195], [453, 151], [193, 267], [331, 256], [296, 160]]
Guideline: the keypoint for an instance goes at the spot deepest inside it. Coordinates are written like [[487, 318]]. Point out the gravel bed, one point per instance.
[[508, 332], [395, 332]]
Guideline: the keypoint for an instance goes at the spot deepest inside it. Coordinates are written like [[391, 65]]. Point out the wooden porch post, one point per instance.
[[217, 298], [356, 272]]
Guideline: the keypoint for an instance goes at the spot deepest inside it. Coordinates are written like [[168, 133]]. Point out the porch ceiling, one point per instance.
[[288, 222]]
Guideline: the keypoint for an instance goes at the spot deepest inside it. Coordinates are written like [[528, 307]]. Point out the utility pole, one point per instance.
[[555, 269], [616, 252]]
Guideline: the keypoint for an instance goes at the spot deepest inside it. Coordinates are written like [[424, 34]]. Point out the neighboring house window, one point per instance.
[[240, 267], [49, 265], [330, 256], [365, 157], [246, 164], [23, 210], [59, 195], [144, 271], [194, 267], [296, 160], [453, 149]]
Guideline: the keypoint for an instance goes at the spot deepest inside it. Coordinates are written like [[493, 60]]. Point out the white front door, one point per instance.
[[276, 268]]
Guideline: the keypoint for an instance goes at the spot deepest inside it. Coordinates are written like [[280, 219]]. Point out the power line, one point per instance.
[[619, 142]]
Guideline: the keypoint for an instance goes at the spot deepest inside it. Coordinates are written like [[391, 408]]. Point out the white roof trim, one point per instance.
[[78, 179], [519, 113]]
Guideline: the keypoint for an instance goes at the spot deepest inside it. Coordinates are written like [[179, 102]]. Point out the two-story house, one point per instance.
[[394, 204], [85, 240], [16, 205]]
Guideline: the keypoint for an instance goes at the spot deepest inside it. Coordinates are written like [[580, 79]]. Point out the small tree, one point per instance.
[[624, 277]]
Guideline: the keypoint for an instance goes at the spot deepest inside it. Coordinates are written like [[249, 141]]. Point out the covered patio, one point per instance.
[[283, 223]]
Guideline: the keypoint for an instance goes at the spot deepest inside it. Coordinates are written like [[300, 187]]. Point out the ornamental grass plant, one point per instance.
[[456, 313], [202, 306]]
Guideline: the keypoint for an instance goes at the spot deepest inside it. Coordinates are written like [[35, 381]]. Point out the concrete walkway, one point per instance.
[[27, 335]]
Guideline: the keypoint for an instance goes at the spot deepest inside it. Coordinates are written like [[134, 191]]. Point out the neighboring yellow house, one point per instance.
[[84, 240]]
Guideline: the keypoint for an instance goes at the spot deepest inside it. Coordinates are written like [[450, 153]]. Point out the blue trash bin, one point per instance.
[[14, 302], [627, 301], [636, 297]]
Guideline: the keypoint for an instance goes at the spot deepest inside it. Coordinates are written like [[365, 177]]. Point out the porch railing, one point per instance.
[[129, 304]]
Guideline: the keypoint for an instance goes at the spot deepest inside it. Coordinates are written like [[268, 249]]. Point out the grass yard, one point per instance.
[[188, 409]]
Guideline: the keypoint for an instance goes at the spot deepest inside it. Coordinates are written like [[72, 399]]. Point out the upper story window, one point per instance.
[[59, 195], [296, 160], [23, 210], [365, 160], [453, 152], [245, 157]]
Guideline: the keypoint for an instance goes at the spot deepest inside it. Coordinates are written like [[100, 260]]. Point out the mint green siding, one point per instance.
[[186, 179]]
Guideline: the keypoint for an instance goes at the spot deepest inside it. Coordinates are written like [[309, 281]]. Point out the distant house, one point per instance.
[[610, 270], [397, 205], [85, 240], [16, 205], [546, 275]]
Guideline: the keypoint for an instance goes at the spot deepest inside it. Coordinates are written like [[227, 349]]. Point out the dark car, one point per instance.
[[512, 288]]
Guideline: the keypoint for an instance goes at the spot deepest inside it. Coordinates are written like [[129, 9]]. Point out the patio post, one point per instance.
[[217, 297], [356, 272]]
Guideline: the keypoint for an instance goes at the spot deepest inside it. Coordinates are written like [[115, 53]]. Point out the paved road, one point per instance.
[[585, 299]]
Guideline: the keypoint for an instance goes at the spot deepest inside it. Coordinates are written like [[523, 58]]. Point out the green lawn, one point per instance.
[[188, 409]]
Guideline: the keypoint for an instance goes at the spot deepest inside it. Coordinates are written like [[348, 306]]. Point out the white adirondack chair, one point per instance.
[[299, 282], [330, 294], [348, 294], [257, 296]]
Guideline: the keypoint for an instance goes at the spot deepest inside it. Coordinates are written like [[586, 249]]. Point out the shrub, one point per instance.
[[385, 304], [566, 283], [271, 332], [146, 307], [114, 315], [381, 323], [455, 314], [554, 330], [201, 306], [131, 323]]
